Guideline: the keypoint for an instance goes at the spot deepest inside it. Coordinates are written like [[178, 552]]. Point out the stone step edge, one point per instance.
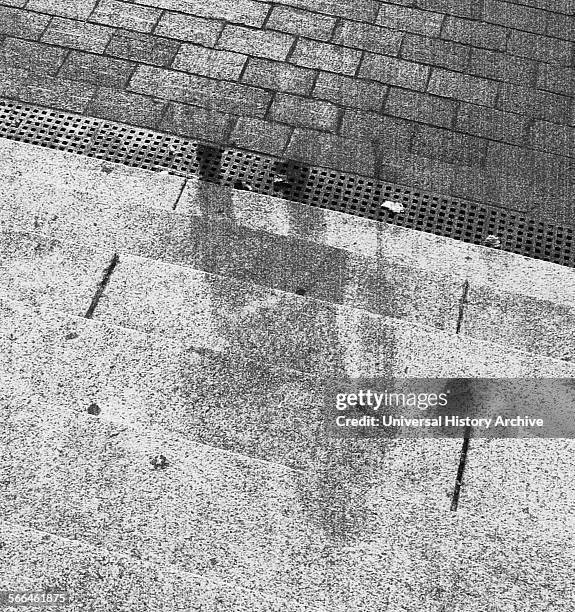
[[347, 308], [168, 433], [426, 251], [233, 357]]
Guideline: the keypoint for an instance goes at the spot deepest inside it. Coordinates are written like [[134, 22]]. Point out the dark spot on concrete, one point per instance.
[[159, 462], [72, 336], [107, 169], [300, 291], [94, 409]]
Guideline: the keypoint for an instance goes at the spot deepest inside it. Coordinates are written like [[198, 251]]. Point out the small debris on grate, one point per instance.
[[159, 462], [94, 409], [493, 241], [161, 170], [395, 207], [243, 186], [281, 181]]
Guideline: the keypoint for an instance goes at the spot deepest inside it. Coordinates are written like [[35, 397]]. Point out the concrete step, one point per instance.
[[228, 518], [276, 327], [384, 269], [101, 580], [240, 318], [256, 526], [229, 402]]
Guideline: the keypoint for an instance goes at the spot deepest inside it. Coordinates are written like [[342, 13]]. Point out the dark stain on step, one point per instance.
[[94, 409], [159, 462]]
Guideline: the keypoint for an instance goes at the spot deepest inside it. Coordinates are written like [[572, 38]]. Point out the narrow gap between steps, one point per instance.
[[467, 434], [460, 470], [175, 204], [102, 286], [462, 304]]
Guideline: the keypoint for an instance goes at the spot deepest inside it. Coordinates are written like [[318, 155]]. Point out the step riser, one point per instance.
[[266, 413], [293, 332], [384, 286], [346, 260]]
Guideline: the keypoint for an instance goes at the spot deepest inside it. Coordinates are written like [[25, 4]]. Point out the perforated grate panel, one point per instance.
[[444, 216]]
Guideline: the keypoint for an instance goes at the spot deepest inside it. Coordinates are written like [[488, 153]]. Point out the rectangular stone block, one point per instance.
[[462, 87], [409, 19], [301, 23], [24, 24], [261, 43], [556, 79], [144, 48], [209, 62], [126, 107], [394, 71], [126, 15], [303, 112], [475, 34], [77, 35], [189, 28], [369, 37], [396, 134], [324, 56], [436, 52], [420, 107], [553, 138], [261, 136], [278, 76], [31, 56], [247, 12], [74, 9], [533, 103], [451, 147], [515, 16], [97, 69], [53, 92], [321, 149], [361, 10], [502, 67], [196, 123], [349, 91], [540, 48], [491, 123]]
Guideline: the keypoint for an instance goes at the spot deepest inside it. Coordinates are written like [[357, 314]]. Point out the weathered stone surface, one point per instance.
[[99, 579], [44, 271]]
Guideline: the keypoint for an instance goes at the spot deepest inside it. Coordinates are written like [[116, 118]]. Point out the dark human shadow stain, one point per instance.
[[290, 179]]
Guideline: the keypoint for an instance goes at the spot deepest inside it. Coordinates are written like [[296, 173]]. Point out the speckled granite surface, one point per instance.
[[220, 367]]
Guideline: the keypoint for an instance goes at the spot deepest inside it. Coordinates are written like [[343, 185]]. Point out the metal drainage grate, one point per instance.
[[444, 216]]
